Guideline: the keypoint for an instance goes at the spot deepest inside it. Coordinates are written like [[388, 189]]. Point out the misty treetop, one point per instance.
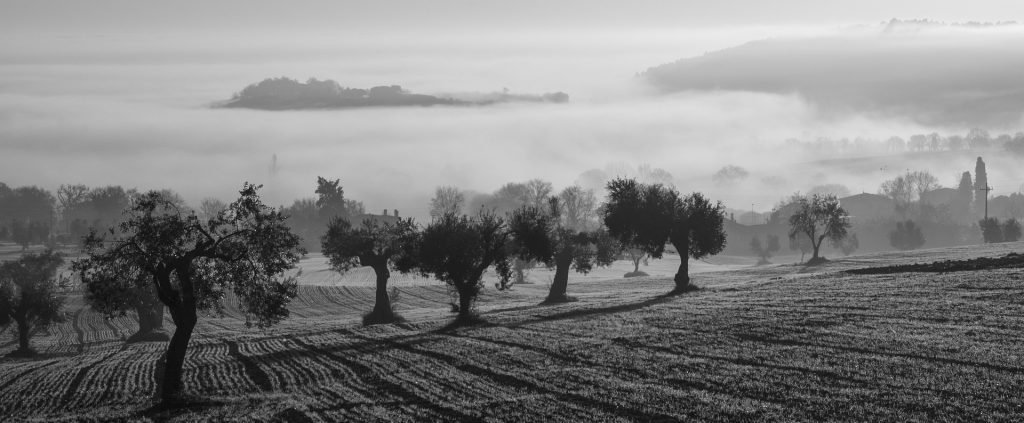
[[289, 94]]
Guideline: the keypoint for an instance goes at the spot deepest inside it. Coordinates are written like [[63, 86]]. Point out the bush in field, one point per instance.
[[817, 218], [1011, 230], [991, 230], [563, 235], [765, 251], [906, 236], [30, 296], [647, 216], [459, 249], [247, 248], [379, 245]]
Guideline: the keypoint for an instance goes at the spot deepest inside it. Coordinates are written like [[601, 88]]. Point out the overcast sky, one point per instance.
[[445, 15]]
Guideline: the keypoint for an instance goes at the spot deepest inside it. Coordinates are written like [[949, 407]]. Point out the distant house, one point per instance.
[[866, 207], [937, 197], [379, 218]]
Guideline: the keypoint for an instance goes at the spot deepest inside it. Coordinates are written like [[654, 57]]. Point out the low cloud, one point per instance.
[[144, 123]]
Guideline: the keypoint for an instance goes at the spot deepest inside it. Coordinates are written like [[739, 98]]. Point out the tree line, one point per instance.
[[161, 255]]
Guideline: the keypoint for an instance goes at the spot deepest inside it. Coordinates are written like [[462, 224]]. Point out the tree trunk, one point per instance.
[[465, 304], [382, 311], [561, 281], [682, 245], [636, 264], [184, 317], [23, 335]]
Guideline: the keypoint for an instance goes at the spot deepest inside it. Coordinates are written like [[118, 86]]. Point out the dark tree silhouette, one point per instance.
[[980, 185], [698, 232], [991, 230], [964, 197], [906, 236], [647, 216], [459, 249], [246, 248], [563, 237], [765, 251], [819, 217], [30, 296], [381, 246]]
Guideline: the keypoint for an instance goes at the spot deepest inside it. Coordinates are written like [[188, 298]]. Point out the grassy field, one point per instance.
[[776, 342]]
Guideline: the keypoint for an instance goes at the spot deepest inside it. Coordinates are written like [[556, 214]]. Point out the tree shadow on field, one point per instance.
[[621, 308]]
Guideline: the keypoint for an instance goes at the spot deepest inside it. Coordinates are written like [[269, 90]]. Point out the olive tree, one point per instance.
[[818, 218], [246, 248], [648, 216], [378, 245], [563, 235], [30, 296], [458, 250]]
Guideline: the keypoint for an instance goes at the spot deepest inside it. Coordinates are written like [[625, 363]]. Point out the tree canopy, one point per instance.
[[459, 249], [647, 216]]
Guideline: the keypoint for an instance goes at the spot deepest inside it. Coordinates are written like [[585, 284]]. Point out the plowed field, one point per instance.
[[779, 343]]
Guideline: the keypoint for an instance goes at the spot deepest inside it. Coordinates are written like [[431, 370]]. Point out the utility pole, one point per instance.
[[986, 189]]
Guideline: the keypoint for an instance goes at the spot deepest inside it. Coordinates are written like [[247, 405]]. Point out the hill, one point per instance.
[[289, 94], [777, 343], [953, 75]]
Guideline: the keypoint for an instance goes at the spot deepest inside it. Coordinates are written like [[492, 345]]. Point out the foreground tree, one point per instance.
[[247, 248], [459, 249], [563, 236], [648, 216], [766, 250], [30, 296], [381, 246], [906, 236], [818, 218]]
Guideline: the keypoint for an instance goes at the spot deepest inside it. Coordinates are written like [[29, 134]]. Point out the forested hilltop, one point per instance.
[[289, 94]]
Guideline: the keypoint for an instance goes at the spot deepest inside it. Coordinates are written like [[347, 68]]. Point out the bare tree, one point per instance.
[[447, 199]]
